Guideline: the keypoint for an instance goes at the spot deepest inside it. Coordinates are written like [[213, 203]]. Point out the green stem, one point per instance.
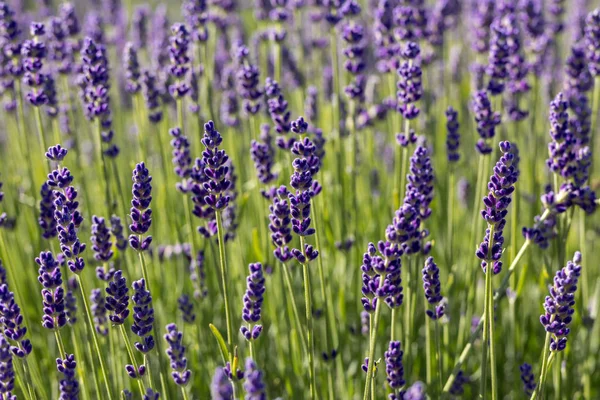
[[224, 281], [428, 366], [370, 368], [132, 357], [94, 337], [101, 158], [292, 298], [439, 355], [59, 342], [309, 325], [539, 389]]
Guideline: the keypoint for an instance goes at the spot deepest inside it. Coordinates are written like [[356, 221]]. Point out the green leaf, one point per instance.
[[221, 342]]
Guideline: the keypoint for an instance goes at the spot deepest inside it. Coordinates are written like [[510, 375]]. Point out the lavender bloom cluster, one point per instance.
[[143, 316], [263, 155], [11, 320], [252, 302], [215, 169], [140, 213], [558, 306], [453, 137], [181, 159], [34, 52], [180, 61], [280, 115], [68, 385], [7, 372], [501, 186], [53, 293], [432, 288], [410, 88], [247, 78], [254, 385], [592, 41], [486, 120], [176, 352], [382, 275], [394, 367], [528, 379]]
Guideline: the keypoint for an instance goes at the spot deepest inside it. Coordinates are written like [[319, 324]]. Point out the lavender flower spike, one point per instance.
[[53, 293], [216, 169], [486, 120], [592, 40], [11, 321], [143, 316], [140, 213], [432, 288], [559, 305], [496, 203], [453, 137], [253, 299], [101, 243], [176, 352], [394, 368], [117, 301], [528, 379], [254, 385], [7, 372], [68, 386]]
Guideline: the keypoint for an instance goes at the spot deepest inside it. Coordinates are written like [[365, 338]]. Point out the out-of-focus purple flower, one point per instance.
[[140, 212], [253, 299], [98, 309], [230, 222], [528, 379], [578, 78], [68, 385], [71, 301], [132, 69], [101, 243], [457, 388], [453, 136], [196, 14], [159, 40], [7, 372], [180, 61], [499, 53], [53, 294], [151, 96], [280, 115], [410, 88], [198, 276], [181, 159], [558, 306], [394, 368], [93, 27], [486, 120], [415, 392], [229, 108], [280, 222], [386, 46], [247, 77], [116, 229], [592, 41], [176, 352], [353, 34], [186, 308], [263, 154], [139, 26], [34, 53], [11, 320], [46, 219], [410, 19], [482, 16], [432, 288], [117, 301], [496, 204], [143, 316], [557, 12], [220, 386], [95, 86], [11, 46], [151, 394], [254, 385]]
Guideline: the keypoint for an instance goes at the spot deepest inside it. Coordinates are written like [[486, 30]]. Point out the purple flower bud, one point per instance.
[[176, 352]]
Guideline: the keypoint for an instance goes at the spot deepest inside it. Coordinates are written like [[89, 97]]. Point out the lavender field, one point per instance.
[[299, 199]]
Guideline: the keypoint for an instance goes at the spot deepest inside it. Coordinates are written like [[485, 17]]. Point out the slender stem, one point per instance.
[[539, 389], [101, 158], [428, 366], [184, 393], [40, 127], [487, 315], [309, 325], [94, 337], [404, 166], [450, 215], [439, 355], [59, 342], [292, 298], [370, 367], [224, 281], [492, 343]]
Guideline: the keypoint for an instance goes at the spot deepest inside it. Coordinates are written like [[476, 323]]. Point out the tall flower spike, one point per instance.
[[528, 379], [253, 299], [12, 320], [186, 308], [394, 368], [410, 89], [220, 386], [176, 352], [143, 316], [151, 96], [180, 61], [215, 161], [94, 81], [432, 288], [140, 212], [132, 69], [181, 159], [247, 77], [68, 385], [496, 204], [116, 229], [46, 219], [486, 120], [381, 276], [117, 301], [498, 57], [254, 385], [7, 372], [280, 114], [99, 312], [280, 224], [354, 34], [53, 293], [263, 154], [559, 306], [101, 243], [592, 40], [34, 52], [198, 276], [453, 136]]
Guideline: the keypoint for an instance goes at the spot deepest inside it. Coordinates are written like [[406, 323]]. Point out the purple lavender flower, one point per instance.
[[280, 222], [253, 299], [139, 26], [181, 159], [198, 276], [220, 386], [3, 279], [216, 169], [381, 275], [197, 16], [229, 108], [394, 368], [578, 78], [132, 69], [457, 388], [432, 288], [280, 115], [11, 46], [528, 379], [117, 301], [415, 392], [46, 219], [34, 52], [99, 312], [592, 41], [151, 395], [116, 229], [263, 154], [386, 47], [247, 78], [559, 305], [7, 372], [176, 352], [180, 61], [151, 96], [202, 209], [453, 137], [11, 321], [353, 34], [143, 316], [186, 308], [496, 203], [498, 57], [140, 212], [557, 11], [94, 26], [101, 243], [410, 20], [71, 302], [486, 120], [68, 385], [53, 294], [254, 385], [410, 89], [95, 87]]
